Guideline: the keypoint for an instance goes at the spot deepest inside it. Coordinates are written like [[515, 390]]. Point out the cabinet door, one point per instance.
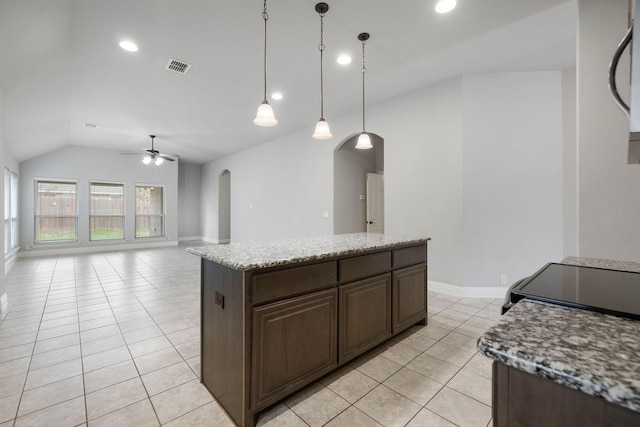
[[364, 315], [409, 297], [294, 343]]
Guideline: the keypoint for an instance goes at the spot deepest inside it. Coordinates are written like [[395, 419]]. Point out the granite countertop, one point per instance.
[[603, 263], [255, 255], [595, 353]]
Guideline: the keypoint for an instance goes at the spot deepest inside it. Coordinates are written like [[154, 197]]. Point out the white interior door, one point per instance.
[[375, 203]]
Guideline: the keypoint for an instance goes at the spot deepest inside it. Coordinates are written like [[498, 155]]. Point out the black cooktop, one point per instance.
[[597, 289]]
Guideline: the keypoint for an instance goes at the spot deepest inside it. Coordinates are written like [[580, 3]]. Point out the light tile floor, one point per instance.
[[113, 339]]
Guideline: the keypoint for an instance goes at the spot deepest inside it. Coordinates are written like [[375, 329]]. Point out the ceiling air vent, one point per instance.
[[178, 66]]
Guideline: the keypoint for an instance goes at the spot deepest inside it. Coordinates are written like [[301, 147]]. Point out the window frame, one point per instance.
[[37, 215], [161, 216], [93, 183]]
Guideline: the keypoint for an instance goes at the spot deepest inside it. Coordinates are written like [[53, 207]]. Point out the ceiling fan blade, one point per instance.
[[167, 157]]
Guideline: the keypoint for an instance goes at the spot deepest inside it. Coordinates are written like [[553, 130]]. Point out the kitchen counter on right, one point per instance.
[[565, 366]]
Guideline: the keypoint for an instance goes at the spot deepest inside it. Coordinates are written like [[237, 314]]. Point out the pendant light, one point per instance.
[[364, 141], [322, 127], [265, 116]]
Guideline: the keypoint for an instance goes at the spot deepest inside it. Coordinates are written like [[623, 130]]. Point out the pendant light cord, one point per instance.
[[265, 16], [363, 71], [321, 49]]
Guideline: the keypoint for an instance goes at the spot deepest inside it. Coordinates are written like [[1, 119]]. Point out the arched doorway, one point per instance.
[[350, 169], [224, 207]]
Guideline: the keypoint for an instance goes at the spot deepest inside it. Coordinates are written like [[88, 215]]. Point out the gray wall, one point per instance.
[[279, 189], [608, 196], [424, 170], [569, 163], [3, 296], [350, 182], [224, 207], [189, 189], [512, 177], [87, 164], [457, 169]]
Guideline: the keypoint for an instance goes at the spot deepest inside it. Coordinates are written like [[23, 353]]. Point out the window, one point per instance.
[[149, 211], [10, 210], [106, 215], [56, 211]]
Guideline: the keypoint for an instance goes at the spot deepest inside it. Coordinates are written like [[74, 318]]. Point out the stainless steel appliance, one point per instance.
[[596, 289], [632, 112]]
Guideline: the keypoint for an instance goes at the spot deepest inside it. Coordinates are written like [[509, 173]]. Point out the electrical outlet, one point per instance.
[[219, 299], [503, 279]]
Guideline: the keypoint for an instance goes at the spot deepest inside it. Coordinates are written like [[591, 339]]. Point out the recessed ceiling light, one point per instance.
[[276, 95], [445, 6], [344, 59], [128, 46]]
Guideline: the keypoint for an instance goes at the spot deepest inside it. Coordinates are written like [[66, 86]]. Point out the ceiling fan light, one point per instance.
[[364, 142], [158, 161], [265, 116], [146, 160], [322, 130]]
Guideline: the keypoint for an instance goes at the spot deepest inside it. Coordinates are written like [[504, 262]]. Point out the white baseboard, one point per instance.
[[215, 241], [190, 238], [94, 249], [4, 302], [468, 291]]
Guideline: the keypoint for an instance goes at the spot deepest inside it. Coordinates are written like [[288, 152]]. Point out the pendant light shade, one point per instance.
[[322, 130], [364, 141], [265, 116]]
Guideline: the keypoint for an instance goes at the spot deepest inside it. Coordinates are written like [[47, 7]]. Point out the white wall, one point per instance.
[[608, 196], [512, 177], [189, 189], [87, 164]]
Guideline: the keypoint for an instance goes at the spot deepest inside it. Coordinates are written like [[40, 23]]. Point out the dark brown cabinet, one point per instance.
[[521, 399], [364, 315], [294, 342], [268, 332], [409, 297]]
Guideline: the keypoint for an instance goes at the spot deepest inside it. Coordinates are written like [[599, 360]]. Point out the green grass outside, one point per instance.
[[107, 233], [56, 236]]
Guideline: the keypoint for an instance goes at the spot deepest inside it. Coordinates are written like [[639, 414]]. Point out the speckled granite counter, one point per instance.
[[254, 255], [592, 352], [603, 263]]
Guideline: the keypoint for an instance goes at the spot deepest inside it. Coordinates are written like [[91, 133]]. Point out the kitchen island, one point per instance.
[[276, 316], [565, 366]]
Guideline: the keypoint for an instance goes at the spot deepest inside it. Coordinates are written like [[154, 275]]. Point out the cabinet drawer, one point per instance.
[[293, 281], [409, 256], [363, 266]]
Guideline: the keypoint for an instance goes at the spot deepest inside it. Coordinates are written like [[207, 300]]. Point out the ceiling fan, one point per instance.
[[155, 156]]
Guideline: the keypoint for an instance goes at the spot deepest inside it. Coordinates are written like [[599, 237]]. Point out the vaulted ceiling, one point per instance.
[[61, 66]]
